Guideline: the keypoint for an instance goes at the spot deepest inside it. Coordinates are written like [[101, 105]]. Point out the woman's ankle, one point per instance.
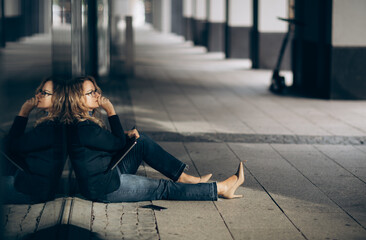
[[185, 178]]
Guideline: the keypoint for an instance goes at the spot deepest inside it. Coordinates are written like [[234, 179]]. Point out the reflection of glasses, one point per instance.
[[92, 93], [44, 93]]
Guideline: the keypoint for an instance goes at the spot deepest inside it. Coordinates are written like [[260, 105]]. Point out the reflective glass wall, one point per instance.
[[81, 36]]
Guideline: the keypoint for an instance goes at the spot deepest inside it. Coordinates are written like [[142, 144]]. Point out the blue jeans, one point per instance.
[[135, 188], [11, 195], [155, 156]]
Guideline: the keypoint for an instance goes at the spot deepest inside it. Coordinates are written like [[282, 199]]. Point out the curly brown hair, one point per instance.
[[56, 111], [75, 109]]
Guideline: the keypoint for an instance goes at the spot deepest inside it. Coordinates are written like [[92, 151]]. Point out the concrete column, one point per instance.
[[119, 10], [330, 49], [28, 7], [13, 24], [200, 22], [61, 40], [45, 16], [130, 48], [239, 26], [177, 17], [166, 16], [348, 50], [2, 32], [12, 8], [104, 36], [148, 11], [216, 25], [156, 16], [271, 32], [162, 15], [188, 19]]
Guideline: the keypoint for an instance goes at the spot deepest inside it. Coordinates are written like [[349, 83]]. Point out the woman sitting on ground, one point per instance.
[[91, 147], [39, 152]]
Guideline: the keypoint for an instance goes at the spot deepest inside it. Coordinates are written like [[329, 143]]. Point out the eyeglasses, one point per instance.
[[44, 93], [92, 93]]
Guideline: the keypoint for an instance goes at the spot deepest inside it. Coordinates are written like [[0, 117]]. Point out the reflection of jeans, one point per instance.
[[11, 195], [135, 188]]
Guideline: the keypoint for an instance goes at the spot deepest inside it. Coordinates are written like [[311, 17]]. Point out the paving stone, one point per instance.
[[294, 192], [21, 220], [346, 190]]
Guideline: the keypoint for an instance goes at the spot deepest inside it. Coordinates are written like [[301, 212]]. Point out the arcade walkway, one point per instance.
[[306, 158]]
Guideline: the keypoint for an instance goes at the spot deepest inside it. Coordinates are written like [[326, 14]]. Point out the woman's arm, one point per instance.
[[114, 121], [27, 107], [18, 127], [107, 106], [20, 121]]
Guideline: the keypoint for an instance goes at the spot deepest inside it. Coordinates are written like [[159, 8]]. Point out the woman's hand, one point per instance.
[[28, 106], [106, 105], [133, 134]]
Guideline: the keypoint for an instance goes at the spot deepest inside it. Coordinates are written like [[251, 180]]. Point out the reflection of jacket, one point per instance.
[[91, 148], [41, 149]]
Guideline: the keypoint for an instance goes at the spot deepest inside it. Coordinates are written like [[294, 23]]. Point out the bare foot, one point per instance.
[[205, 178], [185, 178], [227, 188]]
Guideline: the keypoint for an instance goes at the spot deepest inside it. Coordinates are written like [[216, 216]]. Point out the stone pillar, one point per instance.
[[177, 17], [348, 50], [239, 26], [330, 49], [92, 62], [216, 25], [200, 22], [29, 15], [45, 11], [156, 16], [271, 32], [13, 24], [104, 36], [162, 15], [188, 19], [119, 10], [148, 11], [61, 40], [130, 48], [2, 31], [166, 16]]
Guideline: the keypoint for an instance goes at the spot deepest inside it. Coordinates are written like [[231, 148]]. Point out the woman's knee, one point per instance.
[[145, 140]]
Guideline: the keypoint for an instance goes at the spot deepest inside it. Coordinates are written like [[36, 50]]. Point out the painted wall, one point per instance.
[[216, 11], [157, 14], [200, 10], [240, 13], [166, 15], [120, 8], [269, 10], [187, 8], [349, 23], [12, 8], [177, 17]]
